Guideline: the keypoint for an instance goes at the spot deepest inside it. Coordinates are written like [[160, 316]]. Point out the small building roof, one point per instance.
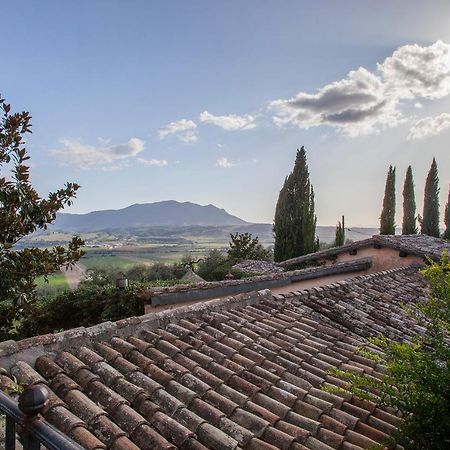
[[413, 244], [191, 277], [245, 372]]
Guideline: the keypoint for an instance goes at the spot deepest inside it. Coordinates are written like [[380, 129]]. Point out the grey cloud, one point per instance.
[[354, 115]]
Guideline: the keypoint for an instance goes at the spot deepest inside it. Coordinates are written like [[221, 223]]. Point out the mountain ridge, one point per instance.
[[162, 213]]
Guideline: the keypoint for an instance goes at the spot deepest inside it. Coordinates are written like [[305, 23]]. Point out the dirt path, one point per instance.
[[74, 275]]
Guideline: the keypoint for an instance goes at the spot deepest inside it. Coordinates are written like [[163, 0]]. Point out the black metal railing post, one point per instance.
[[10, 434], [23, 418]]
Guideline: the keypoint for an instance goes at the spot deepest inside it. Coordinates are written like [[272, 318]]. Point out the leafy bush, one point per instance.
[[138, 273], [215, 266], [417, 381], [245, 246], [85, 306]]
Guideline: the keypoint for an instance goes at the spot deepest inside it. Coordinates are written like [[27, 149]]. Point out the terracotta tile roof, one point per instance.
[[414, 244], [259, 267], [240, 373]]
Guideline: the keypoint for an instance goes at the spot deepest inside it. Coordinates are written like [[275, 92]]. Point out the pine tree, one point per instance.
[[430, 219], [446, 234], [409, 205], [295, 220], [340, 234], [387, 218]]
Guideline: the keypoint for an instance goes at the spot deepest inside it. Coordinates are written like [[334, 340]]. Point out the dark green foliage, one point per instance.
[[245, 246], [22, 212], [340, 234], [85, 306], [417, 380], [295, 220], [95, 300], [387, 218], [446, 234], [430, 218], [409, 205], [216, 265]]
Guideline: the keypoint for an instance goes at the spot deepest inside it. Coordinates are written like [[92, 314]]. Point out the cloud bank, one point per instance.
[[365, 102]]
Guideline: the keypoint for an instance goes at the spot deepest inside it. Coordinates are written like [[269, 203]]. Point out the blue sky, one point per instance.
[[207, 101]]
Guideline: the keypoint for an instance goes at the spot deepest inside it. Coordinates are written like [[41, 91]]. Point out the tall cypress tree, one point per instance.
[[430, 219], [340, 234], [387, 218], [295, 220], [446, 234], [409, 205]]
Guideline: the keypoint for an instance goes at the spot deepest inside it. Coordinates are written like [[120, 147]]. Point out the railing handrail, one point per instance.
[[37, 426]]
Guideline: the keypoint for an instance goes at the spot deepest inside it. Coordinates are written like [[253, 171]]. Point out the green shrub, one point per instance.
[[103, 276], [245, 246], [85, 306], [215, 266]]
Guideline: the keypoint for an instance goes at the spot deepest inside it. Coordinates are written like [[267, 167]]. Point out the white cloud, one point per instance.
[[74, 152], [429, 126], [415, 71], [364, 102], [418, 105], [230, 121], [224, 163], [153, 162], [189, 137], [184, 129]]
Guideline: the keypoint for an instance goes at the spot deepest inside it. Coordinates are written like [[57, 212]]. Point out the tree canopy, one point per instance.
[[245, 246]]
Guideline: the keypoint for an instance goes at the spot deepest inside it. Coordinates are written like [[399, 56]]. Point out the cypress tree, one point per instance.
[[430, 219], [295, 220], [446, 234], [409, 205], [387, 218], [340, 234]]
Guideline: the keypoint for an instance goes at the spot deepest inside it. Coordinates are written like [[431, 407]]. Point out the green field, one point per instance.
[[106, 261], [57, 280]]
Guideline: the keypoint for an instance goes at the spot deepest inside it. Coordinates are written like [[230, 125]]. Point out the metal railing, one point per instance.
[[23, 420]]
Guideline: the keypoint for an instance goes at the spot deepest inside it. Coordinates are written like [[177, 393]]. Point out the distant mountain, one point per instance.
[[166, 213]]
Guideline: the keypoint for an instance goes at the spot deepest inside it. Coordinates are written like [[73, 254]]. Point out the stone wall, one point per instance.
[[205, 291]]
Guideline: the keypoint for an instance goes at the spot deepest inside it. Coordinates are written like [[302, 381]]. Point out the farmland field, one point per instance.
[[58, 280], [122, 249], [106, 261]]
